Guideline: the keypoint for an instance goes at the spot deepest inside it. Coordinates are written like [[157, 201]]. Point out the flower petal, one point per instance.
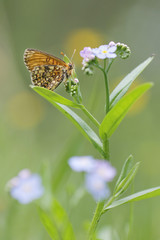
[[82, 163], [96, 187], [112, 49]]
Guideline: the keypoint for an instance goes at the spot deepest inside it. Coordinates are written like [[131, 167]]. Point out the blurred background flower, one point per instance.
[[98, 173], [82, 163], [97, 187], [26, 187]]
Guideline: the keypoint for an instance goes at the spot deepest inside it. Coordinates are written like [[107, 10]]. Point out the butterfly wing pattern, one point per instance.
[[46, 70]]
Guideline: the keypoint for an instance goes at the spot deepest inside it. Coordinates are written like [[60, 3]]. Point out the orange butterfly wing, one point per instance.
[[33, 58]]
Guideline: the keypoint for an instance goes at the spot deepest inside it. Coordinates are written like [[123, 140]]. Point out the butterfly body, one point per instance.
[[46, 70]]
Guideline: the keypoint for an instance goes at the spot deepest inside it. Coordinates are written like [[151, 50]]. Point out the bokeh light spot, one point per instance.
[[25, 110], [84, 37]]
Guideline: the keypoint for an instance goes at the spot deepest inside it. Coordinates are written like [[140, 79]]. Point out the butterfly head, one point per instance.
[[70, 69], [70, 66]]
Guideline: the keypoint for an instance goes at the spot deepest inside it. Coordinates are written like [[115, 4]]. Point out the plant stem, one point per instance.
[[100, 205], [95, 219], [107, 204], [90, 116], [107, 91], [105, 71], [106, 148], [98, 213], [109, 65]]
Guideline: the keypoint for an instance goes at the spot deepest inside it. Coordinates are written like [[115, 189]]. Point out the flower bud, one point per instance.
[[73, 88], [76, 80], [123, 51]]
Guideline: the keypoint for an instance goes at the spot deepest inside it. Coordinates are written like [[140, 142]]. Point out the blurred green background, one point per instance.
[[32, 132]]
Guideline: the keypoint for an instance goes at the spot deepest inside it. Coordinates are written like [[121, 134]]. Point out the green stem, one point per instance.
[[109, 65], [106, 148], [104, 64], [105, 71], [107, 91], [98, 213], [108, 204], [95, 220], [100, 205], [90, 116]]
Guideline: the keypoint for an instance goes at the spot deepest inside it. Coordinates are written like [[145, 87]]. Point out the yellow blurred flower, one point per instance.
[[84, 37], [25, 110]]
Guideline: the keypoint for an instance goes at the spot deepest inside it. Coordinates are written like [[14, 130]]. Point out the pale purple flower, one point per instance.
[[26, 187], [87, 54], [98, 173], [96, 187], [82, 163], [105, 51], [104, 170]]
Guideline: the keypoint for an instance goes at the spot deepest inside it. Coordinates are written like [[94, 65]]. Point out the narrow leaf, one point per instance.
[[149, 193], [124, 85], [62, 221], [54, 97], [49, 225], [82, 126], [74, 118], [118, 112], [56, 222], [124, 184], [125, 170]]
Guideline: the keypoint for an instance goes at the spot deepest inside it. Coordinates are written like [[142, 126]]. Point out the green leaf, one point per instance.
[[49, 225], [124, 85], [125, 170], [124, 184], [62, 221], [118, 112], [72, 116], [56, 222], [148, 193], [54, 97], [82, 126]]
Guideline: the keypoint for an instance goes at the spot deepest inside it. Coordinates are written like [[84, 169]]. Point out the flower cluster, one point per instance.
[[98, 173], [26, 187], [73, 88], [112, 50]]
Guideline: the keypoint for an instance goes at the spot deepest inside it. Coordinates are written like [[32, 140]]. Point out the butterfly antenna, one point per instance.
[[73, 54]]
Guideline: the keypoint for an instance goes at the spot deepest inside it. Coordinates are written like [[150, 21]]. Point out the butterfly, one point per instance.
[[47, 71]]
